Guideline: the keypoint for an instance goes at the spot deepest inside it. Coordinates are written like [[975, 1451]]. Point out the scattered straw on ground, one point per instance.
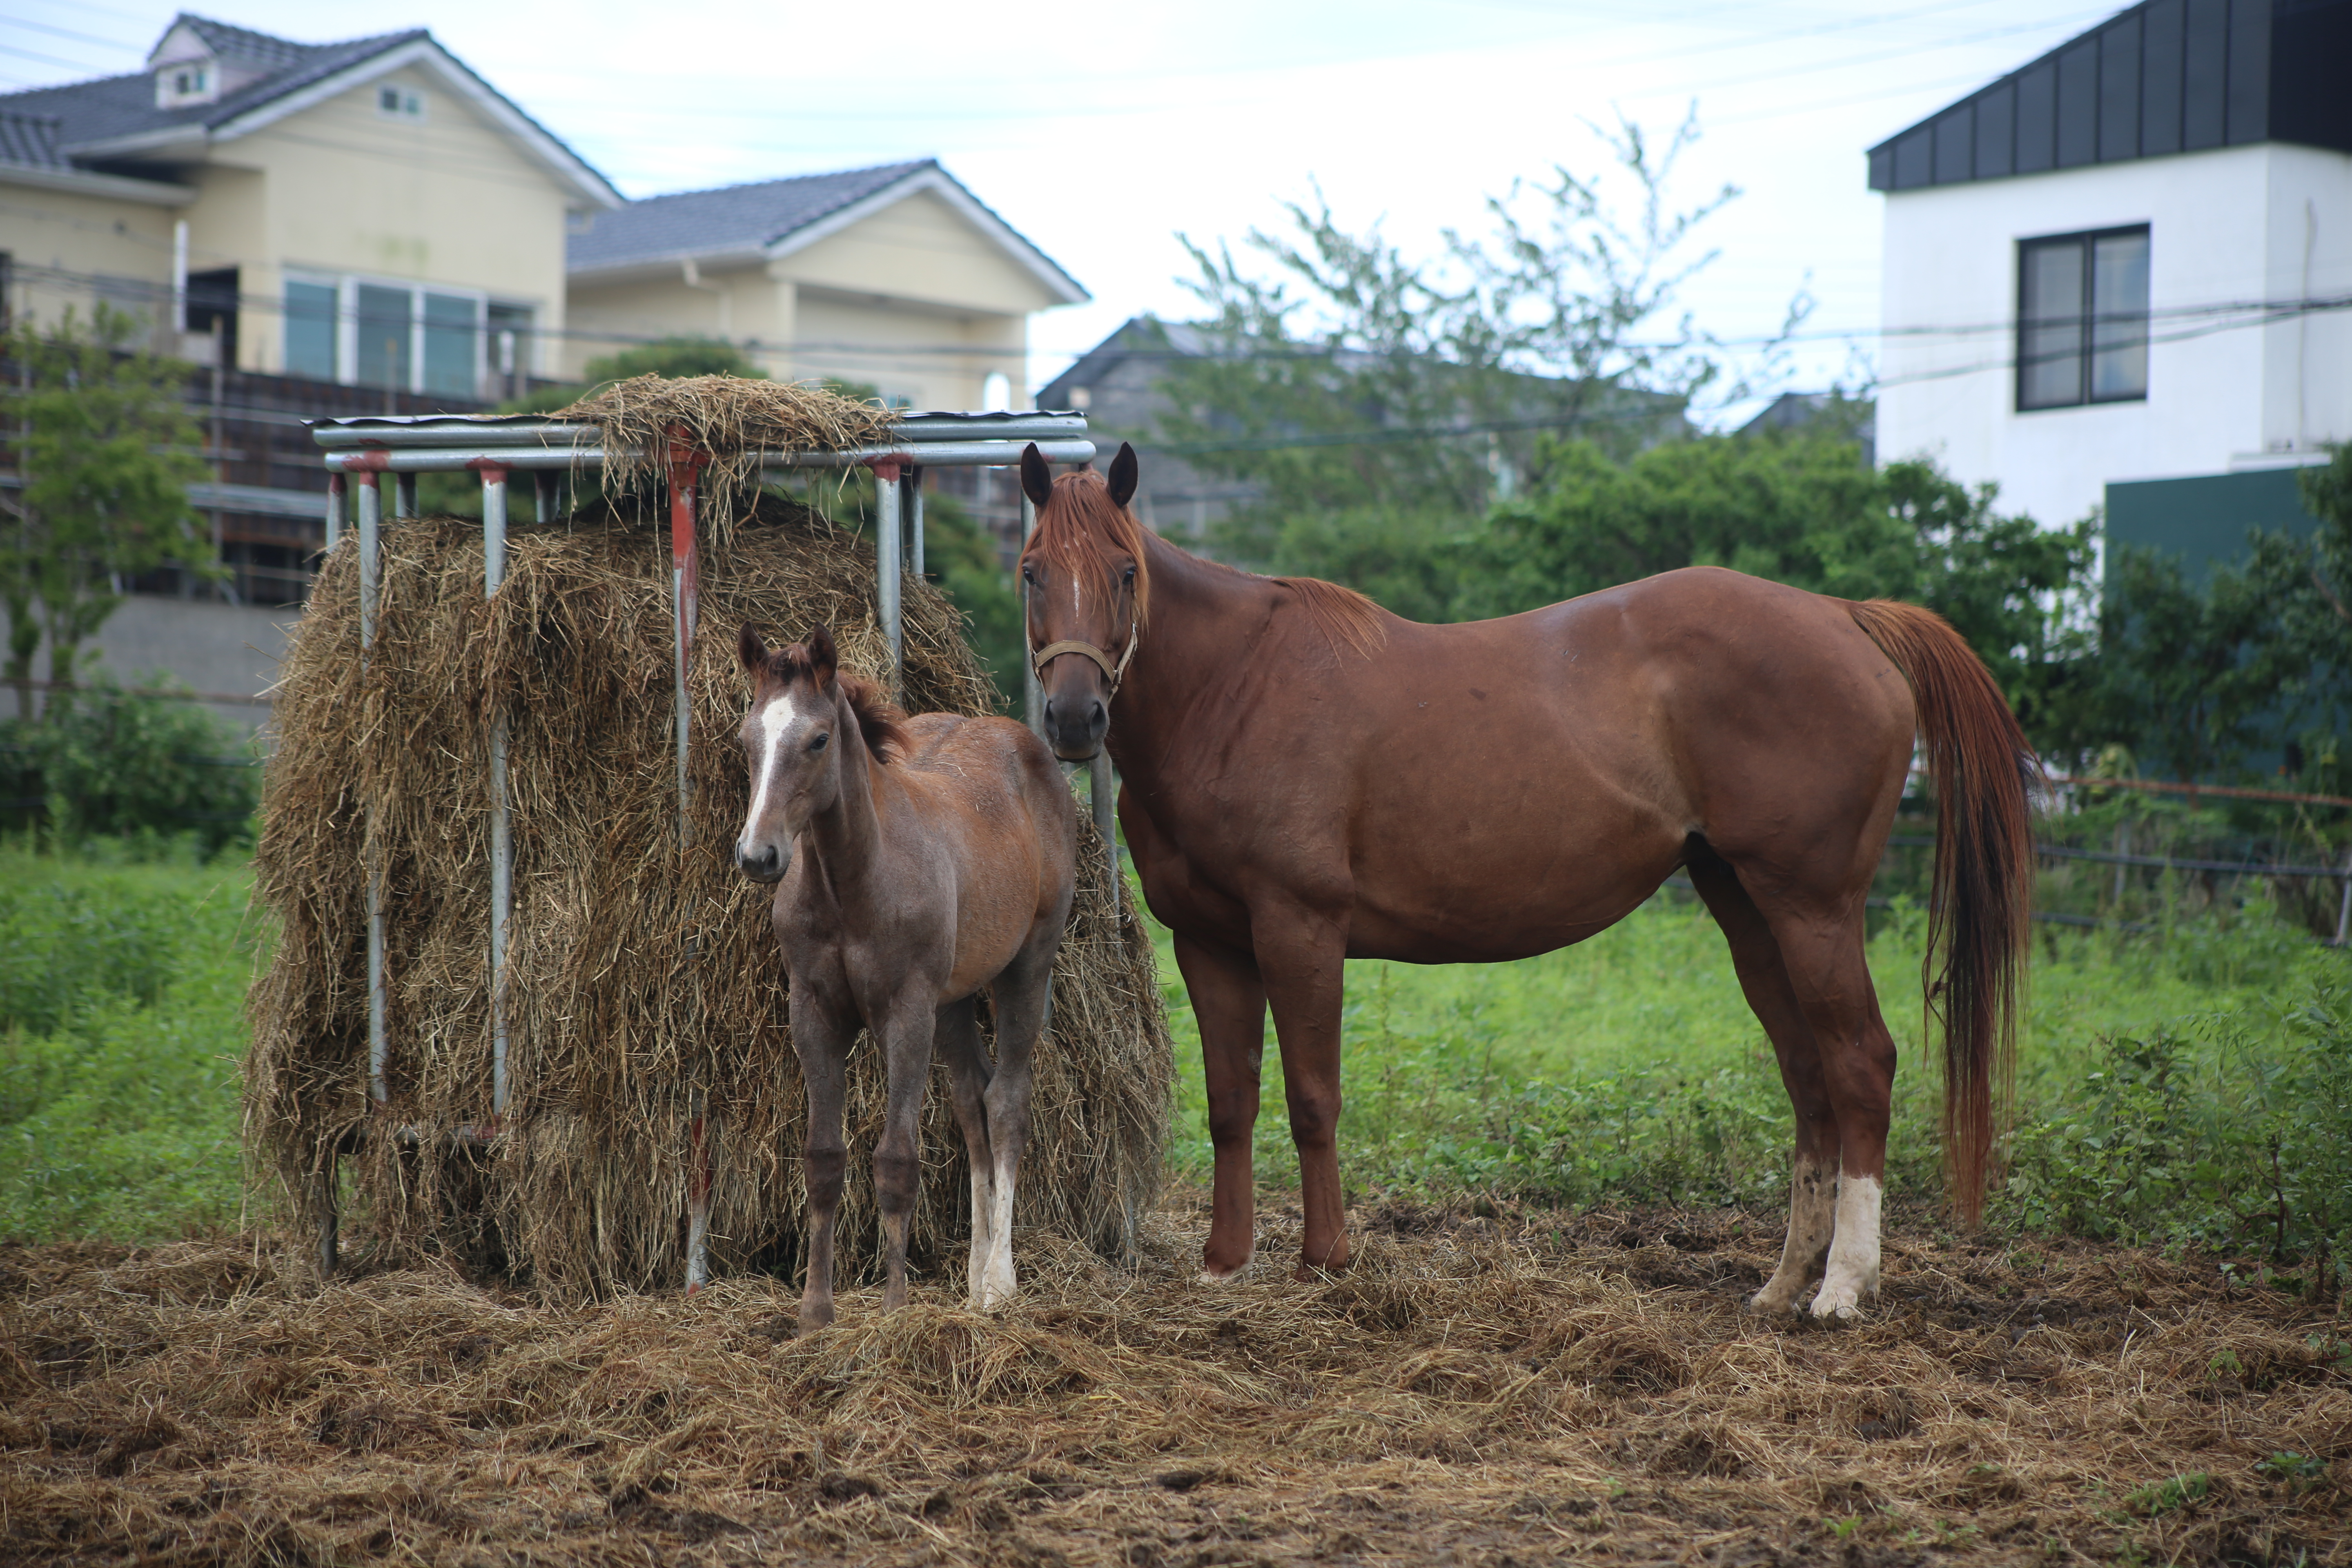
[[726, 421], [1529, 1389], [645, 981]]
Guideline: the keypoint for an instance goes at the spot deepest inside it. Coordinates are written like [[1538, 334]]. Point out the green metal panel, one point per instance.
[[2204, 518]]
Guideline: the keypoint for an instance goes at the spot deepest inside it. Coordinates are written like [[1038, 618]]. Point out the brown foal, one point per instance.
[[1308, 779], [916, 861]]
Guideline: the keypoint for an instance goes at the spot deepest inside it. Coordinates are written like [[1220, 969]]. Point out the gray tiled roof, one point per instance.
[[241, 43], [30, 139], [733, 218], [119, 106]]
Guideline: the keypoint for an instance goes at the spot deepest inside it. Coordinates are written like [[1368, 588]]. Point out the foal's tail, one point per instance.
[[1982, 898]]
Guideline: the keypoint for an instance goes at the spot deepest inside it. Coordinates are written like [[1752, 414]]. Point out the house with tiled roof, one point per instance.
[[368, 211], [896, 278], [2121, 274]]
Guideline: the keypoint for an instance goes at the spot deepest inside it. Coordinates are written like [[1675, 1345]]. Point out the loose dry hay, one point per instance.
[[643, 976], [1474, 1392], [726, 422]]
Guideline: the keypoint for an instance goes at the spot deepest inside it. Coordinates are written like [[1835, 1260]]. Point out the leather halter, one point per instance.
[[1116, 672]]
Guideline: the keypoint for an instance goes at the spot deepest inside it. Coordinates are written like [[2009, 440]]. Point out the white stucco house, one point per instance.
[[2130, 260]]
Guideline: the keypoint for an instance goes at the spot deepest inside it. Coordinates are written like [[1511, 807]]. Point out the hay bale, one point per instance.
[[642, 973], [724, 422]]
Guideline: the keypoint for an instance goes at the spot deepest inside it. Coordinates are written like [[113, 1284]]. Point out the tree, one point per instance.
[[1348, 376], [107, 450], [1801, 508]]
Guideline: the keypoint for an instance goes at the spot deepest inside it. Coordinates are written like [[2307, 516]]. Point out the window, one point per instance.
[[188, 81], [361, 332], [399, 102], [311, 331], [2082, 319]]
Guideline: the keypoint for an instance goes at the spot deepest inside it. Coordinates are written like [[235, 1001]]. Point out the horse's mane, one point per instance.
[[881, 722], [1076, 525]]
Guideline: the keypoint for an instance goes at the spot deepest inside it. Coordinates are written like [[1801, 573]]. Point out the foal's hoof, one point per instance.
[[1771, 1303], [1230, 1276]]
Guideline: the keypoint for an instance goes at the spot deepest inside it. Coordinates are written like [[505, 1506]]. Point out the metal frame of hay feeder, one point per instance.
[[363, 450]]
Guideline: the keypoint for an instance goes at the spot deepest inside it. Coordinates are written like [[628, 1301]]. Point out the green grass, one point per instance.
[[2196, 1085], [1628, 1068], [121, 1021]]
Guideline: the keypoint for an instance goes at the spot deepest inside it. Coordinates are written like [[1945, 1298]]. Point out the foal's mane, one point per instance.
[[881, 722], [1080, 529]]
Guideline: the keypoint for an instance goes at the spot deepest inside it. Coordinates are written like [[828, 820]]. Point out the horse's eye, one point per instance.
[[818, 745], [1027, 575], [1130, 577]]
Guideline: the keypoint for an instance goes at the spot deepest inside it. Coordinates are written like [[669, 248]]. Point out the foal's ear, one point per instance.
[[1123, 475], [752, 649], [823, 658], [1036, 476]]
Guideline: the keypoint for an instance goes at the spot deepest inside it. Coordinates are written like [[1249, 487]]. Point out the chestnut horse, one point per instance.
[[917, 860], [1310, 779]]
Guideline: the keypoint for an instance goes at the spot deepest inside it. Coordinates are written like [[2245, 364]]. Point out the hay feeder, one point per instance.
[[695, 442]]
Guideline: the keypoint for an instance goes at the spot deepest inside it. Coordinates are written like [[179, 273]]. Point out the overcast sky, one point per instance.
[[1104, 135]]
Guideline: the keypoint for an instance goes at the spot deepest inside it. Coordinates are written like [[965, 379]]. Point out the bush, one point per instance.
[[2233, 1131], [105, 762], [122, 1019]]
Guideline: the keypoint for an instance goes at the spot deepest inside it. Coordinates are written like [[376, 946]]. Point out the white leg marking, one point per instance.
[[1001, 1283], [984, 1208], [774, 720], [1853, 1255], [1813, 1218]]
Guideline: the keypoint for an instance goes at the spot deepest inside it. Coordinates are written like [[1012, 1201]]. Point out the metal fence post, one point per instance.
[[889, 567], [915, 519], [370, 509], [685, 579], [334, 510], [494, 572], [404, 495], [546, 487]]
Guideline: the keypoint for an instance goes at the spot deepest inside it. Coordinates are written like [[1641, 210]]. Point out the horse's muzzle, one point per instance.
[[1074, 727], [767, 864]]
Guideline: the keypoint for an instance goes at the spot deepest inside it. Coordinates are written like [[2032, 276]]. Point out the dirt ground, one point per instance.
[[1521, 1388]]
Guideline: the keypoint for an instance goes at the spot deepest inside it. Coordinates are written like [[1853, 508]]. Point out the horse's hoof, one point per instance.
[[1231, 1276], [1842, 1307], [1769, 1303]]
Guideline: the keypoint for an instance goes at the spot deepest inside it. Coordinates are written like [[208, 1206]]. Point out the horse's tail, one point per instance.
[[1982, 898]]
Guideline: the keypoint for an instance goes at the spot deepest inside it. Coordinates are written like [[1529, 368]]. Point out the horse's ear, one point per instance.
[[752, 649], [823, 659], [1123, 475], [1036, 476]]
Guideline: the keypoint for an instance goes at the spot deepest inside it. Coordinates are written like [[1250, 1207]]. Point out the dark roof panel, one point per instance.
[[732, 218], [30, 139], [2164, 77]]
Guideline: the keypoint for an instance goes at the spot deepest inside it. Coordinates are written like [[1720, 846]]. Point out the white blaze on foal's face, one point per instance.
[[787, 739]]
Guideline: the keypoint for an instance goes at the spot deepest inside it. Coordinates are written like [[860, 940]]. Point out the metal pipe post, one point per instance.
[[494, 572], [547, 491], [915, 519], [403, 499], [890, 565], [1102, 785], [685, 577], [335, 484], [1032, 696], [370, 509]]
